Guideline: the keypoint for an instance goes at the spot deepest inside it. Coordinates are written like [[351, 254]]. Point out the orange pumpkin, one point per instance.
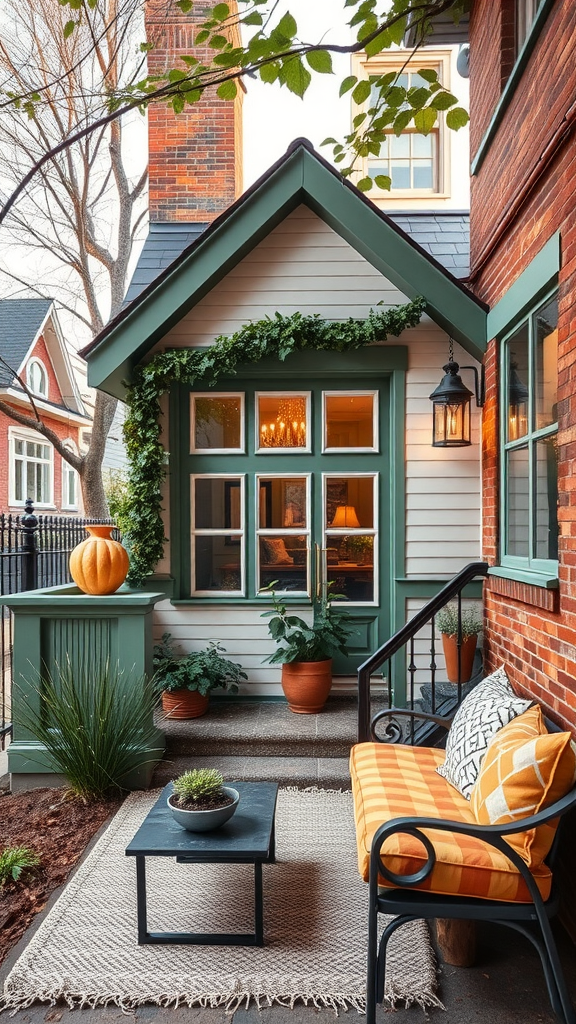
[[99, 565]]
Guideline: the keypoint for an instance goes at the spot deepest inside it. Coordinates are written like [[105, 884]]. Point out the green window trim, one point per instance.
[[511, 85], [523, 567], [534, 579]]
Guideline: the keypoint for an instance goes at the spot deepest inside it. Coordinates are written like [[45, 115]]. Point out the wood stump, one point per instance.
[[456, 941]]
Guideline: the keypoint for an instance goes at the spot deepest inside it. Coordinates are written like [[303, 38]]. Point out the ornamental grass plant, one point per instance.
[[95, 722], [447, 621], [14, 860]]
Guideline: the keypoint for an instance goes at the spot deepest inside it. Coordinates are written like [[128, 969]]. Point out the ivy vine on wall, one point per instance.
[[140, 515]]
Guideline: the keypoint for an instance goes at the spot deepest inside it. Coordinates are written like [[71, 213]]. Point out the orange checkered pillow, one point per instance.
[[524, 770]]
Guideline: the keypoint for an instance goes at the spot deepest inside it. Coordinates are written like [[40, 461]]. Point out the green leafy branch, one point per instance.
[[140, 517], [273, 53]]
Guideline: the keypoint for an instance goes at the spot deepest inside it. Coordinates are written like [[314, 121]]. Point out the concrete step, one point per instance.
[[265, 729], [301, 772]]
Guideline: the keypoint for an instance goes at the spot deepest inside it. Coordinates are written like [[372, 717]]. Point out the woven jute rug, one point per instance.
[[315, 919]]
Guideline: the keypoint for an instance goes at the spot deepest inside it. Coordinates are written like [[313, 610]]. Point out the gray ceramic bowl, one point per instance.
[[205, 821]]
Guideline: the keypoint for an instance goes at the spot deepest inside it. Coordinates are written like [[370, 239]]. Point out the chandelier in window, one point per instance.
[[288, 430]]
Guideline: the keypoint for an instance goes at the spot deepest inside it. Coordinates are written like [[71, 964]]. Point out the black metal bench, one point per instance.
[[407, 903]]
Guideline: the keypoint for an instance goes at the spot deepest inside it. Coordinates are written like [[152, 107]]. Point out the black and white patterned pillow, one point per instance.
[[488, 707]]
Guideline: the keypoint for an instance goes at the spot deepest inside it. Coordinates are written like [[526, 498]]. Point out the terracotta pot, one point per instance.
[[306, 685], [184, 703], [467, 651], [99, 565]]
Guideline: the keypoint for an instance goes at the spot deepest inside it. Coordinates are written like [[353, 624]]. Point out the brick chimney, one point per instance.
[[195, 158]]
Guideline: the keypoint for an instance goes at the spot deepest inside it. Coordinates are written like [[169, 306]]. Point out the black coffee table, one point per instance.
[[247, 838]]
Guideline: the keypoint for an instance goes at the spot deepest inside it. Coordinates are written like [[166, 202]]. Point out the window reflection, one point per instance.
[[349, 421]]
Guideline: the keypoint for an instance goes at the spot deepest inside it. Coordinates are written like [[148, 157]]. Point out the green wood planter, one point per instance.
[[58, 624]]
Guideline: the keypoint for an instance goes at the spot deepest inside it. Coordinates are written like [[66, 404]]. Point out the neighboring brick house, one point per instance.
[[32, 346]]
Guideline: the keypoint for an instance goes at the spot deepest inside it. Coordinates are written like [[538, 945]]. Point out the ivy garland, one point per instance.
[[140, 515]]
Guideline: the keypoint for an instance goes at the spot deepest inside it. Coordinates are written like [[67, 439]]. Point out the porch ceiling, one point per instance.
[[300, 177]]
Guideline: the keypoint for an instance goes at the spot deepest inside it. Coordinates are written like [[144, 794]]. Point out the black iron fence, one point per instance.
[[34, 552]]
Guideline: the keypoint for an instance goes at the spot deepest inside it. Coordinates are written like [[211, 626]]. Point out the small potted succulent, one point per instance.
[[186, 680], [200, 801], [470, 627], [307, 651]]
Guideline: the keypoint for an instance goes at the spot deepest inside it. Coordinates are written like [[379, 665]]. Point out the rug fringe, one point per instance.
[[394, 994], [13, 1002]]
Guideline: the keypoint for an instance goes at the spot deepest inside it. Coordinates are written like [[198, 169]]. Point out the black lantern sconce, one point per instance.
[[451, 402]]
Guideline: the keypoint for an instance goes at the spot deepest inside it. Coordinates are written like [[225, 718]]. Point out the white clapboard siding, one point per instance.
[[303, 265]]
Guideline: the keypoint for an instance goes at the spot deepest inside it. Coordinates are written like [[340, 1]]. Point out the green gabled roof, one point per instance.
[[300, 177]]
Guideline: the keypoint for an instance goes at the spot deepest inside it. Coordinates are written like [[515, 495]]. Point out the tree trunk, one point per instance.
[[95, 504]]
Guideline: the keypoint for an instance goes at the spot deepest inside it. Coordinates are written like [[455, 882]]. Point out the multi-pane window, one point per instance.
[[411, 159], [217, 509], [350, 517], [283, 533], [312, 523], [350, 421], [32, 470], [282, 421], [217, 423], [529, 430]]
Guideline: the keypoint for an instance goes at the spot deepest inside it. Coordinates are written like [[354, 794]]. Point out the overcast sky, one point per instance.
[[273, 117]]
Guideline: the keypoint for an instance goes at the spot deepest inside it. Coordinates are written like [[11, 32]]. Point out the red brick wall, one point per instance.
[[522, 194], [63, 430], [195, 157]]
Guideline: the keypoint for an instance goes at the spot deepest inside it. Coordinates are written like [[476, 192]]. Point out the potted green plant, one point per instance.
[[470, 627], [200, 801], [306, 651], [186, 680]]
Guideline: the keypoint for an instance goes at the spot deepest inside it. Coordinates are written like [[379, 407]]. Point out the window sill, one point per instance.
[[527, 588], [511, 85], [534, 579]]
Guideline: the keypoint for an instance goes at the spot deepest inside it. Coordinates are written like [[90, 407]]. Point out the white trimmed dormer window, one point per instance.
[[31, 468], [37, 378], [70, 480], [418, 165]]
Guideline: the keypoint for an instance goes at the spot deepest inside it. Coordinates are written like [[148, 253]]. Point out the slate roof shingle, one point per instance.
[[445, 236], [165, 242], [20, 321]]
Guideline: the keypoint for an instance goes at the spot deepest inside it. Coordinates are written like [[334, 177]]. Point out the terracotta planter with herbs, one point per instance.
[[306, 685], [467, 652], [466, 625], [307, 651], [186, 680], [184, 703]]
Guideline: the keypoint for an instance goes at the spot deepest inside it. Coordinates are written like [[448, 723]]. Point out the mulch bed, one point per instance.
[[58, 829]]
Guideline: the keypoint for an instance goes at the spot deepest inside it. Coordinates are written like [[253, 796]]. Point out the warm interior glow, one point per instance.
[[286, 422], [345, 516]]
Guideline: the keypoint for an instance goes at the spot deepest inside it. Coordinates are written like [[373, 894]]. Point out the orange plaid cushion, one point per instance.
[[392, 781], [524, 770]]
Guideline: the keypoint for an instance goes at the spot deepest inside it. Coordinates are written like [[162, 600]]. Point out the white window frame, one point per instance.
[[67, 471], [277, 531], [525, 12], [29, 369], [241, 450], [362, 531], [436, 60], [307, 449], [209, 532], [375, 421], [24, 434]]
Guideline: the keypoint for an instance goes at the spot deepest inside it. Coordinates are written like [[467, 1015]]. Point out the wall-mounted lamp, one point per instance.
[[451, 404]]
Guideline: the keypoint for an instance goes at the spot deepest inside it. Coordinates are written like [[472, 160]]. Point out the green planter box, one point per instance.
[[61, 624]]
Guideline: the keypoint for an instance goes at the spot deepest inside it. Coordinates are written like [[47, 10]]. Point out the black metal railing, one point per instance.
[[34, 552], [403, 645]]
